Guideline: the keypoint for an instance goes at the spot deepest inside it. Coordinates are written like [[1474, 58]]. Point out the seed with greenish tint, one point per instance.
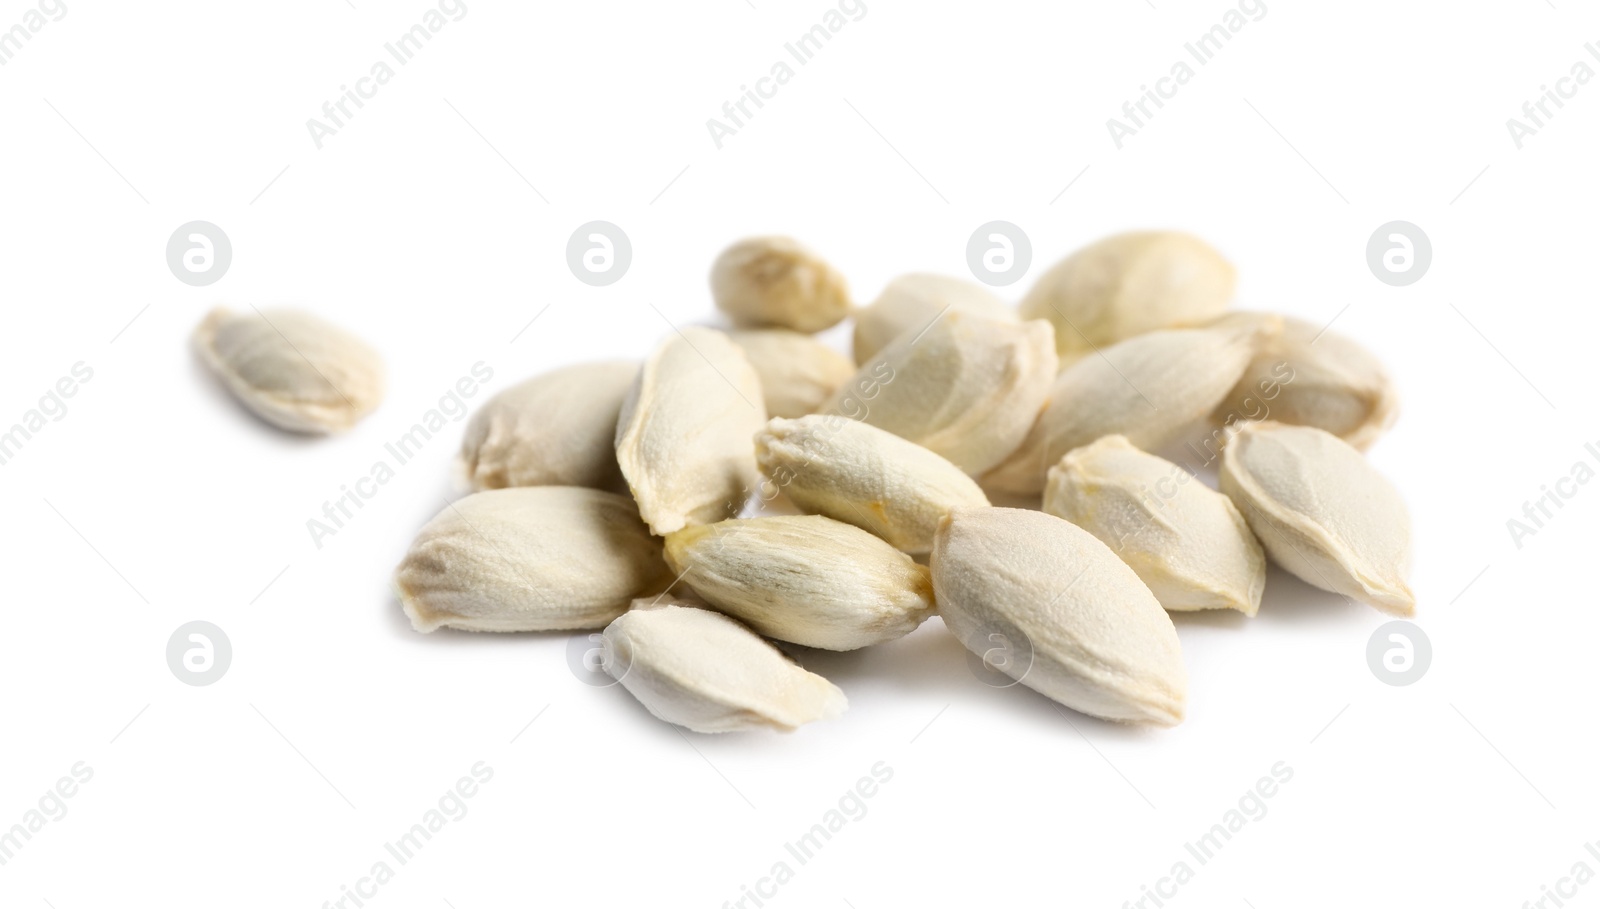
[[1322, 512], [1186, 541], [805, 579], [293, 369], [706, 672]]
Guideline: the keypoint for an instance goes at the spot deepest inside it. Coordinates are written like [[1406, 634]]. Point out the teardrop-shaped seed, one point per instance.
[[293, 369], [864, 476], [706, 672], [798, 372], [683, 436], [536, 558], [1127, 284], [911, 303], [1074, 621], [556, 429], [805, 579], [1186, 541], [967, 388], [774, 282], [1322, 512], [1149, 388]]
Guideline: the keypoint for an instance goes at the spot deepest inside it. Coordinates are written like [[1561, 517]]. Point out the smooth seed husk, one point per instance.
[[1322, 512], [911, 303], [798, 373], [556, 429], [1127, 284], [774, 282], [1186, 541], [708, 673], [1150, 388], [968, 387], [1077, 623], [1311, 376]]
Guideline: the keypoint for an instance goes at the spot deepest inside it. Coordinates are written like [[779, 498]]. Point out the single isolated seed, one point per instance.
[[1127, 284], [1185, 541], [774, 282], [1077, 624], [798, 372], [556, 429], [537, 558], [706, 672], [1322, 512], [1150, 388], [805, 579], [862, 475], [293, 369], [683, 435], [911, 303], [1310, 376], [967, 387]]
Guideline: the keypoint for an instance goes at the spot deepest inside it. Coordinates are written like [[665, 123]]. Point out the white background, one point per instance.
[[157, 500]]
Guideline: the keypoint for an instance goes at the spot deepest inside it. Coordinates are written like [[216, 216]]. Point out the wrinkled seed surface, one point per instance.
[[537, 558], [293, 369]]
